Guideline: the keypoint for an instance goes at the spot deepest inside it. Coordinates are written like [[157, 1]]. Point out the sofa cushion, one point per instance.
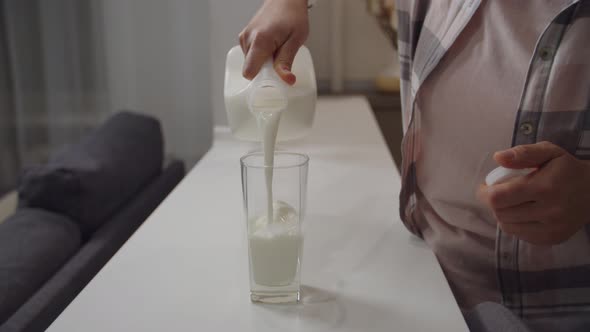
[[89, 181], [34, 244]]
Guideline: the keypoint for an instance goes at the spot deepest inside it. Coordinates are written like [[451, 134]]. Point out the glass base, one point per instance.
[[275, 297]]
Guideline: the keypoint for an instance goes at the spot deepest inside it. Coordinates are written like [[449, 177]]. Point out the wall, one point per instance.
[[158, 63], [366, 50]]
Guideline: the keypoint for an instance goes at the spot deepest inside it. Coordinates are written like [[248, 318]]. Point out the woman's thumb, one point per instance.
[[529, 155]]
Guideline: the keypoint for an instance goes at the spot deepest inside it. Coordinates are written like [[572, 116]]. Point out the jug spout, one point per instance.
[[267, 92]]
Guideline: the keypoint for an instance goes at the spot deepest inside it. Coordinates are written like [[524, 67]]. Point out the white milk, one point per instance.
[[275, 246], [274, 239], [269, 125]]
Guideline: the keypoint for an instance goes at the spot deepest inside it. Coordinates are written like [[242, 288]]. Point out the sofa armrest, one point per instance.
[[56, 294]]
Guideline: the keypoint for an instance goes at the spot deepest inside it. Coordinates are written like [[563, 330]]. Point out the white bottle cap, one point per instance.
[[503, 174]]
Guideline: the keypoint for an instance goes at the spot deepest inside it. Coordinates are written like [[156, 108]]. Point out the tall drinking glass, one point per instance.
[[274, 203]]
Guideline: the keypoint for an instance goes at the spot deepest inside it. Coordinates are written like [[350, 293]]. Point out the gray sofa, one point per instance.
[[74, 213]]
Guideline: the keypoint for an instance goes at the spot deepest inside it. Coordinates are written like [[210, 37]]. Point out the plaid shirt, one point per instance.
[[535, 282]]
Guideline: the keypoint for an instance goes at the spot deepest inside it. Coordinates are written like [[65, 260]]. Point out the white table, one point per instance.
[[186, 268]]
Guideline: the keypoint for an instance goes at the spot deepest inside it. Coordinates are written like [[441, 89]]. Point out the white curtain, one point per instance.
[[66, 65], [158, 63], [51, 79], [8, 156]]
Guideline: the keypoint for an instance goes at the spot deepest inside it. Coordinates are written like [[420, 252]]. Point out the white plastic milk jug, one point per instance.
[[299, 110]]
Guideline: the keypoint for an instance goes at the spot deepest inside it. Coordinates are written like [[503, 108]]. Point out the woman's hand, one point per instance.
[[277, 30], [546, 207]]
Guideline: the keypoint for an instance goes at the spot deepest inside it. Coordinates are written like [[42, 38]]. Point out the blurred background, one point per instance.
[[67, 65]]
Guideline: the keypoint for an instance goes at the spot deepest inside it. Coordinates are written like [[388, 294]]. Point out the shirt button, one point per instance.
[[546, 53], [526, 128]]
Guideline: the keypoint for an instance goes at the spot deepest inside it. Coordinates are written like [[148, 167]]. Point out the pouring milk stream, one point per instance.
[[267, 100], [276, 232], [279, 112]]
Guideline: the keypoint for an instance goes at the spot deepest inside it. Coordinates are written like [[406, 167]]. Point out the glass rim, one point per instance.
[[303, 162]]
